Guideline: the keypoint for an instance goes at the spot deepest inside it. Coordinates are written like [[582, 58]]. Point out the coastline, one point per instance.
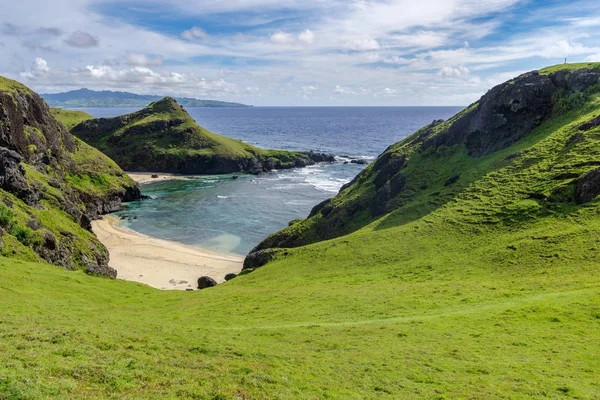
[[146, 177], [161, 264]]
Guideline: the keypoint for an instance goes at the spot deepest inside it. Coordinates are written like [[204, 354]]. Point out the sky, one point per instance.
[[293, 52]]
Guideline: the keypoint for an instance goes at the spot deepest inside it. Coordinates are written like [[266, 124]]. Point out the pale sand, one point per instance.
[[160, 263], [146, 177]]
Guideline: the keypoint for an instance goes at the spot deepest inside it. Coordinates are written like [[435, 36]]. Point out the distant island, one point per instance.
[[85, 98]]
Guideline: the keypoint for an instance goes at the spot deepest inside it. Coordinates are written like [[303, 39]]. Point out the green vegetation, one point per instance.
[[70, 118], [484, 285], [84, 98], [10, 86], [55, 184], [570, 67], [163, 137]]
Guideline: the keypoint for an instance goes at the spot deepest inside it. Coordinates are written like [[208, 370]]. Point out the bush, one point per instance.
[[6, 216], [24, 235]]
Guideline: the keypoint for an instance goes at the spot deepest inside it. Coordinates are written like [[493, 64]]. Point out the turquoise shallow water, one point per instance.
[[223, 214], [233, 216]]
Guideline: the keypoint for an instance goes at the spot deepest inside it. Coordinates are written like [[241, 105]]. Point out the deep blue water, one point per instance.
[[234, 215]]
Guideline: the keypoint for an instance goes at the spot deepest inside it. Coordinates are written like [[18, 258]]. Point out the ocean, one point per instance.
[[233, 216]]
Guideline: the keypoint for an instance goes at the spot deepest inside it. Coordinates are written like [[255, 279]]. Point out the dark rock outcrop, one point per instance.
[[229, 277], [31, 139], [502, 117], [576, 81], [257, 259], [588, 187], [205, 282], [12, 177], [590, 124]]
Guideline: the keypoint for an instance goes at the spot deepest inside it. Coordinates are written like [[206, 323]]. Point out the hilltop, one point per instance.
[[163, 137], [70, 118], [51, 186], [494, 143], [462, 263], [85, 98]]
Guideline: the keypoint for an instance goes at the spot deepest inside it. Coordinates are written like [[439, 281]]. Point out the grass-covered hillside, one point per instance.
[[70, 118], [483, 286], [164, 138], [515, 155], [51, 185]]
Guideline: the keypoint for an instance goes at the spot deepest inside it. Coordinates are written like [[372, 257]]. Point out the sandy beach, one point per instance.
[[146, 177], [160, 263]]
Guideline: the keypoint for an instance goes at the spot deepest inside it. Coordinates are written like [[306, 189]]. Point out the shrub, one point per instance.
[[6, 216], [24, 235]]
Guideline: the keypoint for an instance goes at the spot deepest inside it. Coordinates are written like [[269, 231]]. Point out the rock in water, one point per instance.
[[206, 282]]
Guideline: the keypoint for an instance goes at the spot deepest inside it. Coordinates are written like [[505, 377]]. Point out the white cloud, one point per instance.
[[39, 68], [454, 72], [194, 33], [395, 60], [594, 58], [388, 92], [40, 65], [343, 90], [307, 37], [136, 79], [364, 44], [563, 48], [142, 60], [281, 38]]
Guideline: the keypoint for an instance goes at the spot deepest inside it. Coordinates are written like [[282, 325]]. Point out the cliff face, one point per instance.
[[52, 186], [435, 165], [164, 138]]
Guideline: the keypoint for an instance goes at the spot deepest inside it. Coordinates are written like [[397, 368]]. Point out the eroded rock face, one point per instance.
[[503, 116], [29, 134], [588, 187], [12, 177]]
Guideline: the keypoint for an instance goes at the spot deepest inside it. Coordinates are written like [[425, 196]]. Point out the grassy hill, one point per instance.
[[51, 185], [163, 137], [481, 286], [85, 98], [70, 118]]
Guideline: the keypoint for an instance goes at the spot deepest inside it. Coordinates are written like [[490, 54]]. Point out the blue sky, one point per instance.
[[294, 52]]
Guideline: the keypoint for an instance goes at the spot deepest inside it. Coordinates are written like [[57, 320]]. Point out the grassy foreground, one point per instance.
[[488, 287], [441, 316]]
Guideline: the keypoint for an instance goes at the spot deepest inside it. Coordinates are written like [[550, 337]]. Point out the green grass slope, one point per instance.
[[52, 185], [70, 118], [432, 168], [492, 291], [163, 137]]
